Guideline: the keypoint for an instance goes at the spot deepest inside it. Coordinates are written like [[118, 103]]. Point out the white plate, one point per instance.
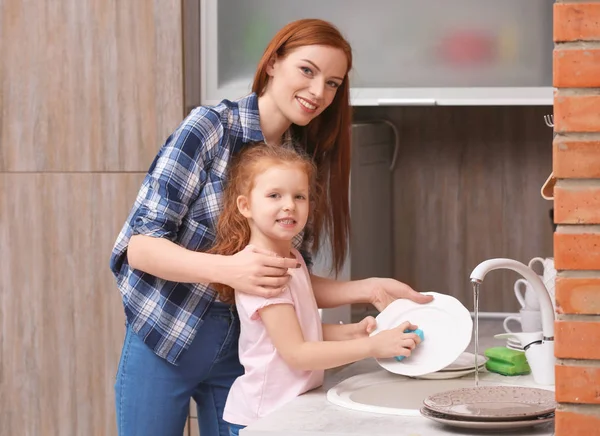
[[447, 327], [515, 344], [448, 375], [466, 361], [464, 365]]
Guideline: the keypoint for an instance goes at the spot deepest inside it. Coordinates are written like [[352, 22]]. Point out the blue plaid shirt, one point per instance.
[[180, 200]]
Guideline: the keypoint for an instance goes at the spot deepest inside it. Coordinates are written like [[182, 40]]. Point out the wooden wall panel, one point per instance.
[[467, 188], [89, 85], [89, 90], [61, 315]]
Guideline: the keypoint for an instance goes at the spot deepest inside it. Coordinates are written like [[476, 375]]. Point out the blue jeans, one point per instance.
[[234, 429], [152, 396]]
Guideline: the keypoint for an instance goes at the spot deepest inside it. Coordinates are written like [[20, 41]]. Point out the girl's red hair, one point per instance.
[[327, 137], [233, 231]]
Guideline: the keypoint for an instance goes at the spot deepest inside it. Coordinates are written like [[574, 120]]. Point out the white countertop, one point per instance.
[[313, 414]]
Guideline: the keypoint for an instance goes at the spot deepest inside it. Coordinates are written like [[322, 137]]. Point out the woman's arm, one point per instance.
[[174, 182], [377, 291], [252, 270], [169, 261], [333, 293], [282, 326]]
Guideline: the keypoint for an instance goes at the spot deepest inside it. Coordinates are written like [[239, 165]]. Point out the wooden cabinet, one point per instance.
[[466, 188], [61, 313], [89, 90], [464, 52], [96, 87]]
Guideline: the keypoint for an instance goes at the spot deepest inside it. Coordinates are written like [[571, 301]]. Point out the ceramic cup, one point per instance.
[[530, 320], [548, 275], [526, 295]]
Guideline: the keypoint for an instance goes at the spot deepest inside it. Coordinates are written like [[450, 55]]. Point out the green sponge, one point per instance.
[[505, 361]]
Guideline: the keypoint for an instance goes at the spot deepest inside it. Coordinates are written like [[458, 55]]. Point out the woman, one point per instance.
[[181, 342]]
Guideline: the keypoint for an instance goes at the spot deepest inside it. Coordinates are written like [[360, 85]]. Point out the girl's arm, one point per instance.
[[282, 326], [377, 291], [344, 332], [339, 332]]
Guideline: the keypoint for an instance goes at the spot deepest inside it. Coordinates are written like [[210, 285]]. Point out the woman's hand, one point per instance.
[[384, 291], [256, 271], [394, 342]]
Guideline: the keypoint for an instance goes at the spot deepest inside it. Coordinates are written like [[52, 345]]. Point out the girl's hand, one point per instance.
[[256, 271], [394, 342], [365, 327]]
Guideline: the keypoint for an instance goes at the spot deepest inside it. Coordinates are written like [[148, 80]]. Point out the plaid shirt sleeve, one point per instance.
[[177, 176], [303, 243]]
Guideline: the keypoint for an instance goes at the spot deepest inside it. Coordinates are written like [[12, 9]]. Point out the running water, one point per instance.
[[476, 329]]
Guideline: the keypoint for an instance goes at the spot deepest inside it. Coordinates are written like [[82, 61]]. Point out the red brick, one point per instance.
[[576, 113], [576, 21], [579, 204], [576, 67], [577, 339], [573, 158], [577, 384], [576, 295], [569, 423], [579, 251]]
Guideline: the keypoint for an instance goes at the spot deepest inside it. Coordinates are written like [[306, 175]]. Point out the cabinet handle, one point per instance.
[[396, 142], [406, 102]]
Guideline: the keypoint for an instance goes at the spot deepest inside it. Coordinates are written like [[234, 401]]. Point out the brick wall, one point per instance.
[[576, 165]]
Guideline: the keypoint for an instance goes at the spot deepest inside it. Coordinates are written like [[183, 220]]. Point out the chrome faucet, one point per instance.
[[546, 308], [540, 354]]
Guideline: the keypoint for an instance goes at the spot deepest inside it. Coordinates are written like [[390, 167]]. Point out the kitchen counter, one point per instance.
[[313, 414]]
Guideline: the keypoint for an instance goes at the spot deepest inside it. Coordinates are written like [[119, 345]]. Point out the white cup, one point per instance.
[[526, 295], [542, 362], [548, 275], [530, 320]]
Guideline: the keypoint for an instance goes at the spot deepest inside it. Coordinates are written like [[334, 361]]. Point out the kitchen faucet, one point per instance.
[[540, 354]]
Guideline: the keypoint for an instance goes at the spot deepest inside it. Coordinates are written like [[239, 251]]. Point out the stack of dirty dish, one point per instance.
[[491, 407], [464, 365]]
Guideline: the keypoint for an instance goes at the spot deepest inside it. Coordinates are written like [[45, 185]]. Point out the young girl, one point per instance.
[[283, 346], [181, 342]]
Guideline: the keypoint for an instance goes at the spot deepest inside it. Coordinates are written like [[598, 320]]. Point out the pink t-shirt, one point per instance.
[[268, 382]]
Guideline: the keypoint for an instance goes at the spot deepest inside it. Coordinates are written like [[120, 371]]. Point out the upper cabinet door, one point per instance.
[[405, 51]]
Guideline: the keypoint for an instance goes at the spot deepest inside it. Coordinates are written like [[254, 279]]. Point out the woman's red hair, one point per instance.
[[233, 231], [326, 138]]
